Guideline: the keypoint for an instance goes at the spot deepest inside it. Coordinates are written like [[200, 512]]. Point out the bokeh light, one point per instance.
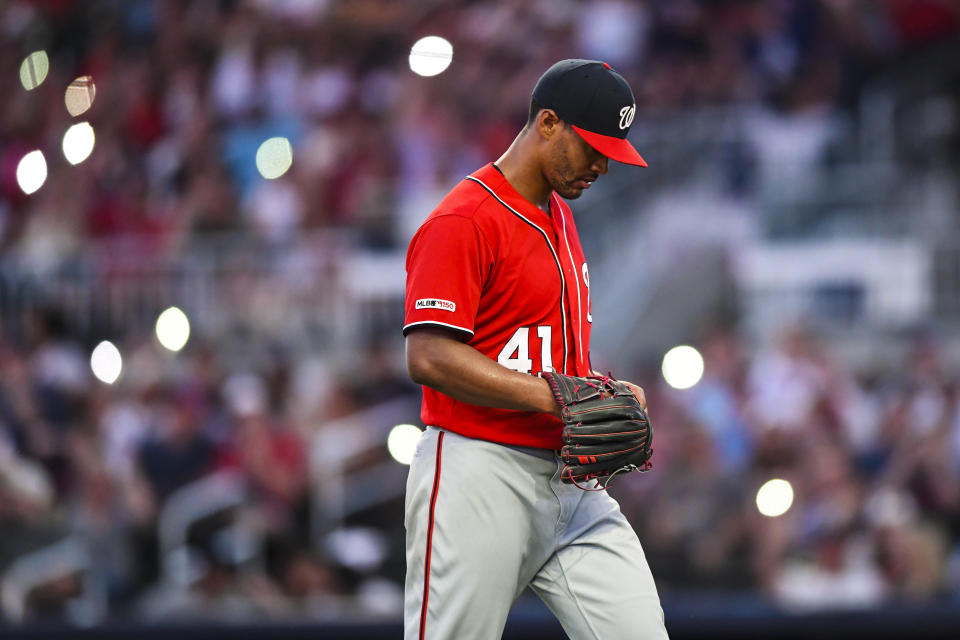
[[79, 95], [173, 329], [274, 157], [106, 362], [775, 497], [402, 442], [32, 171], [78, 142], [682, 367], [34, 69], [431, 56]]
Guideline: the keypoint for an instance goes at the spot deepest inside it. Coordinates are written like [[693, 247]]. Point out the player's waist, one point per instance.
[[544, 454]]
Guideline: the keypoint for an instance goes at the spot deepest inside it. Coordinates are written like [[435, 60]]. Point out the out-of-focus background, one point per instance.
[[204, 211]]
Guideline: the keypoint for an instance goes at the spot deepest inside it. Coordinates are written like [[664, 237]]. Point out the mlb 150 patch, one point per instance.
[[436, 303]]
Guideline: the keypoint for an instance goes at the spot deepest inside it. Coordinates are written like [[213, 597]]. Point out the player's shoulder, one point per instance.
[[469, 198]]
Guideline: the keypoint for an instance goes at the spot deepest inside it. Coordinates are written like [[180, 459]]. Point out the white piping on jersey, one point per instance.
[[563, 281], [576, 276], [443, 324]]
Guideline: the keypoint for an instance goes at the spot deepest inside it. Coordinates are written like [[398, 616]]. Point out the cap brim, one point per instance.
[[618, 149]]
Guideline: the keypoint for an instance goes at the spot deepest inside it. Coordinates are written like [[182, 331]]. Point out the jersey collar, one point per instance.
[[492, 177]]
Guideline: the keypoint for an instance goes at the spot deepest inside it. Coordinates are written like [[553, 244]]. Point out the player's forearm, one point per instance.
[[460, 371]]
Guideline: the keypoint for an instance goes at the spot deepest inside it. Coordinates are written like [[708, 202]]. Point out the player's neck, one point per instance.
[[520, 167]]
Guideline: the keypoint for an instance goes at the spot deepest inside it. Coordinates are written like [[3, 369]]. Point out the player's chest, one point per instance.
[[536, 268]]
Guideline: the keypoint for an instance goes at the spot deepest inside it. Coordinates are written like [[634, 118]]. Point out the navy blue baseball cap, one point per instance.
[[595, 101]]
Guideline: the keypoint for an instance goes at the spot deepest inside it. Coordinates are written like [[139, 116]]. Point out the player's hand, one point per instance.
[[637, 391]]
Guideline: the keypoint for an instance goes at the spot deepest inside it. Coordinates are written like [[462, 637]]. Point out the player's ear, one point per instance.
[[548, 123]]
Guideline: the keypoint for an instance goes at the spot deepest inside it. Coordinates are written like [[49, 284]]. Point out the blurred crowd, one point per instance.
[[101, 463], [186, 92], [873, 458]]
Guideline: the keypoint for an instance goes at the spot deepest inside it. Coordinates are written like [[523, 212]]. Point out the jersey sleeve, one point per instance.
[[447, 264]]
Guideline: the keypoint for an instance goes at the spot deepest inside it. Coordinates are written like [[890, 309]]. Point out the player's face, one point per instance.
[[573, 164]]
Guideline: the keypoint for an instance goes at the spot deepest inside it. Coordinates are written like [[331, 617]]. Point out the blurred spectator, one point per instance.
[[718, 401], [178, 450], [59, 369], [842, 574], [271, 456]]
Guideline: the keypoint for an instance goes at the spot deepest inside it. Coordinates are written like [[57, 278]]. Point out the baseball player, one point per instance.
[[497, 331]]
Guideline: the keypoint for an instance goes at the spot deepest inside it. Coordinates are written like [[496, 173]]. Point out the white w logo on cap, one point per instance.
[[626, 116]]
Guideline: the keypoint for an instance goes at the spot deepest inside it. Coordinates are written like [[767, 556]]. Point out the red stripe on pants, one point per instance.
[[426, 573]]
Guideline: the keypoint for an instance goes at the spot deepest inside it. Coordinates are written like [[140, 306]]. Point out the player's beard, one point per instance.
[[562, 176]]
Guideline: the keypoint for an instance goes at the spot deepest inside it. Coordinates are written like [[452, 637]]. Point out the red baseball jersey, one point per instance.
[[511, 279]]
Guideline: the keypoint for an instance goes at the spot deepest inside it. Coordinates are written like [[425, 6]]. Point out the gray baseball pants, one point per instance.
[[484, 521]]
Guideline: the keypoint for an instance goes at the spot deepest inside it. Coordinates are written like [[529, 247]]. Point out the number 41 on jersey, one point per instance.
[[516, 353]]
